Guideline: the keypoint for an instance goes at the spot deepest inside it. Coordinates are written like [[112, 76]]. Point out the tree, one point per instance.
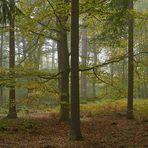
[[130, 62], [63, 57], [4, 12], [8, 15], [1, 64], [12, 103], [84, 62], [75, 133], [63, 63], [95, 63]]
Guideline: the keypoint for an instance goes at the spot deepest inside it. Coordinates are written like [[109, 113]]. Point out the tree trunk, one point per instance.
[[123, 74], [1, 65], [12, 103], [63, 67], [64, 82], [19, 50], [130, 63], [95, 63], [24, 47], [84, 59], [75, 133], [53, 55], [38, 57]]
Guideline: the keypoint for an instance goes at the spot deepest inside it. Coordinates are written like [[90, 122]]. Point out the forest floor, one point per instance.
[[43, 130]]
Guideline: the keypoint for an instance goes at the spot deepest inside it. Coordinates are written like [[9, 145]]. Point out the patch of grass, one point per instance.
[[111, 107], [141, 109]]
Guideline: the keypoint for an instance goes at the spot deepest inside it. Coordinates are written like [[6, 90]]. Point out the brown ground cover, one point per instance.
[[45, 131]]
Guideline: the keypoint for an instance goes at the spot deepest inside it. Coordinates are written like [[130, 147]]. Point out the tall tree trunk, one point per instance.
[[63, 66], [84, 60], [75, 133], [19, 50], [53, 55], [1, 65], [130, 63], [95, 63], [24, 47], [59, 61], [64, 82], [123, 74], [12, 103], [38, 57]]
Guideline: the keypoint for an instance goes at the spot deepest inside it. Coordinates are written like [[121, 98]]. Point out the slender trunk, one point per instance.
[[123, 73], [130, 63], [38, 57], [138, 79], [64, 82], [24, 47], [1, 51], [84, 59], [59, 61], [95, 63], [19, 51], [75, 133], [1, 65], [12, 103], [53, 55]]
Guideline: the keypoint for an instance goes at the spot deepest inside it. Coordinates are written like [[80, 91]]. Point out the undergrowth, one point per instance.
[[94, 108]]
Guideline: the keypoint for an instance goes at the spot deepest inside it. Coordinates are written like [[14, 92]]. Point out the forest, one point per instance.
[[73, 73]]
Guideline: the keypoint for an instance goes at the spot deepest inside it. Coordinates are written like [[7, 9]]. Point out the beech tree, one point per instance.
[[130, 61], [84, 62], [75, 132], [63, 63], [8, 16], [12, 103], [1, 63]]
